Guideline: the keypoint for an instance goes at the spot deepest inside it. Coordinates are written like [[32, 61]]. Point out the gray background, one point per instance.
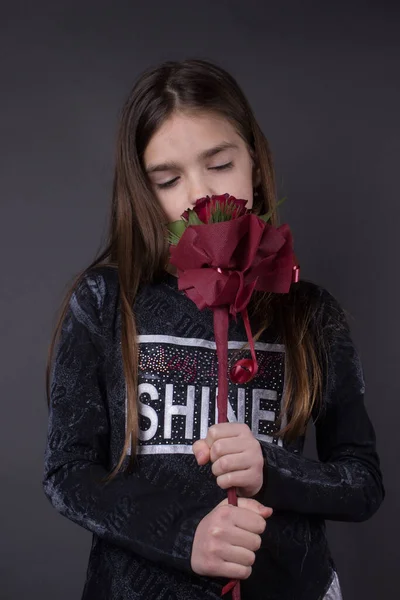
[[323, 79]]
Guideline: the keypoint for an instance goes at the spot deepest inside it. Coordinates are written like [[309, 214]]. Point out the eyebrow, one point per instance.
[[169, 166]]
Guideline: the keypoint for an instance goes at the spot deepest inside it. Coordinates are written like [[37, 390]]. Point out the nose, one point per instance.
[[198, 188]]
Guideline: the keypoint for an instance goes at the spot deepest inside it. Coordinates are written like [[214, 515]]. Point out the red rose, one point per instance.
[[221, 264], [207, 206]]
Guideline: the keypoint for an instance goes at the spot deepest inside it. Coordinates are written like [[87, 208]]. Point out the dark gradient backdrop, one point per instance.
[[323, 78]]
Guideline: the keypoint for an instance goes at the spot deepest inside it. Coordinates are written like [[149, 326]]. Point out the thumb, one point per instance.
[[255, 506], [201, 452]]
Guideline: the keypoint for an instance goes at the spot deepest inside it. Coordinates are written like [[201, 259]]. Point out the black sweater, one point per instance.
[[143, 523]]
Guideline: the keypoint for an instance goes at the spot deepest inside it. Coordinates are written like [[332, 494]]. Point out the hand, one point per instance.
[[227, 538], [236, 456]]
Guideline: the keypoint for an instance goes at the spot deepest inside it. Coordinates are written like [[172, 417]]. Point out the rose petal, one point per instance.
[[248, 253]]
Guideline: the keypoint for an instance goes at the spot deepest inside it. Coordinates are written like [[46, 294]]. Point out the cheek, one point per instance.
[[172, 205], [241, 186], [249, 204]]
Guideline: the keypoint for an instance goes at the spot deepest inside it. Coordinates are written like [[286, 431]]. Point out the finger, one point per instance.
[[266, 512], [232, 571], [231, 462], [238, 555], [239, 537], [249, 520], [230, 445], [240, 479], [249, 504], [201, 452], [224, 430]]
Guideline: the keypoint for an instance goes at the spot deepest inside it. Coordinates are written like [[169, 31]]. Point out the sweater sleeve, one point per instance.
[[130, 512], [345, 483]]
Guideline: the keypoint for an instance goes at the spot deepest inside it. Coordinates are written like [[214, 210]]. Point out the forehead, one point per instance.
[[186, 135]]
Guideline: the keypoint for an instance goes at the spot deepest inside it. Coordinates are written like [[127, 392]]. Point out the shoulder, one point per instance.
[[311, 290], [324, 308], [95, 296]]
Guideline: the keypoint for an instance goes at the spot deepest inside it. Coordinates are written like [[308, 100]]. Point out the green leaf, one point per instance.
[[221, 213], [216, 213], [269, 214], [173, 239], [193, 219], [177, 227], [281, 201]]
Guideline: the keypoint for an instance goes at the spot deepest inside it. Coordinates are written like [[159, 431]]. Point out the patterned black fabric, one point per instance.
[[143, 523]]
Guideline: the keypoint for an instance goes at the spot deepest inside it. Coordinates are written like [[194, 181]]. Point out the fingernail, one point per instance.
[[199, 456]]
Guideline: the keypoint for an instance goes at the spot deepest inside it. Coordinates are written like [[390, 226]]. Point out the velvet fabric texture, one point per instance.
[[143, 523]]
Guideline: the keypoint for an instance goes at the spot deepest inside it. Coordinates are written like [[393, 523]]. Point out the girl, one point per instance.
[[132, 452]]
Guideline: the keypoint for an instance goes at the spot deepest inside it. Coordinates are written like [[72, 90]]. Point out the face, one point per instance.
[[196, 155]]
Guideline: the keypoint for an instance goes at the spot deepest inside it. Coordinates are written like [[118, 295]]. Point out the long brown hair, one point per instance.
[[137, 243]]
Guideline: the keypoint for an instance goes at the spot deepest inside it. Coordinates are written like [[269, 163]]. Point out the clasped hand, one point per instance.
[[236, 456], [227, 538]]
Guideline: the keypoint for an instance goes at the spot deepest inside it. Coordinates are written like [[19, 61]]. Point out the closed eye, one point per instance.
[[172, 182], [220, 167], [167, 183]]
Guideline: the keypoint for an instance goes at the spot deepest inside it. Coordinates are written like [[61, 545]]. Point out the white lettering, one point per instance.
[[241, 395], [241, 404], [205, 410], [148, 411], [185, 410]]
